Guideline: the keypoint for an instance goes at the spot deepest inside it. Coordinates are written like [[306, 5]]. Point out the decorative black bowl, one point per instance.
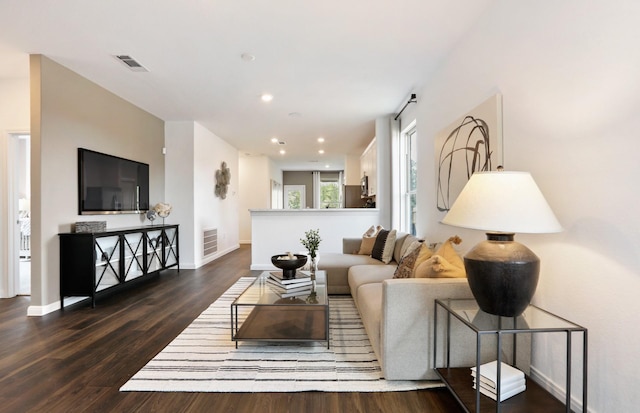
[[289, 266]]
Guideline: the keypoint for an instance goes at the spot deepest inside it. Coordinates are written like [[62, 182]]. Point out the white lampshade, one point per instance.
[[502, 201]]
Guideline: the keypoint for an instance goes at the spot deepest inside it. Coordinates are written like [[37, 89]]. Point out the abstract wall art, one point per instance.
[[223, 179], [472, 143]]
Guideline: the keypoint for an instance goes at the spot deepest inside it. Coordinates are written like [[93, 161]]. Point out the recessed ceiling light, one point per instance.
[[282, 151], [321, 151], [248, 57], [266, 97], [274, 140], [326, 166], [321, 139]]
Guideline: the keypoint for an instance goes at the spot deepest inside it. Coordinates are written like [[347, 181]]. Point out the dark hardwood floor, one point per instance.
[[76, 360]]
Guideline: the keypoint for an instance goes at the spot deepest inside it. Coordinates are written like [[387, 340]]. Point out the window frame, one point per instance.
[[408, 147]]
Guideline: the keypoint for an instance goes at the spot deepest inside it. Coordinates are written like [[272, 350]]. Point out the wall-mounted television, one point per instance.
[[111, 185]]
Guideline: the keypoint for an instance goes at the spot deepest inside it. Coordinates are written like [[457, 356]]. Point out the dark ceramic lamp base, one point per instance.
[[502, 274]]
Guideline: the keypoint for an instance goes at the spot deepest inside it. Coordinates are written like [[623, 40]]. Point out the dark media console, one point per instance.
[[101, 262]]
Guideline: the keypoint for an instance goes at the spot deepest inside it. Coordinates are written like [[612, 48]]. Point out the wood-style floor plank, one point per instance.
[[77, 359]]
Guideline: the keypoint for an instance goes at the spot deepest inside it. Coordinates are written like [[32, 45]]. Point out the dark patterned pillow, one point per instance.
[[405, 267], [378, 246]]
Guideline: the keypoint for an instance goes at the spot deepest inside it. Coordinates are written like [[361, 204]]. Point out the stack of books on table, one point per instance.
[[292, 287], [512, 380]]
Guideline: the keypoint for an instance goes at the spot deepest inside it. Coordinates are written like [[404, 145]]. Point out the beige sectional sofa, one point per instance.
[[398, 314]]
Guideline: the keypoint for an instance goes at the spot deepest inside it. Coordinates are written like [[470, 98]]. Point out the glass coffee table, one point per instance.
[[260, 313]]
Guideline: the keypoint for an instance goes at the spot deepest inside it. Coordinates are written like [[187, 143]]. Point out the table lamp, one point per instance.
[[502, 273]]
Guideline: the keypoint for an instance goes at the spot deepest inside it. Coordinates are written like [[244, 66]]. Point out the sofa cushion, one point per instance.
[[337, 266], [384, 246], [370, 309], [368, 274]]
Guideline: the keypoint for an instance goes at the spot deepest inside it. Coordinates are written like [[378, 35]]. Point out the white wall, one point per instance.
[[68, 112], [352, 171], [568, 73], [255, 175], [383, 170], [290, 225], [179, 186], [194, 154], [210, 211]]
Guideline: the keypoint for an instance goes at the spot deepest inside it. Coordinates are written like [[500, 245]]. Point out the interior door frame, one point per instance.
[[10, 272]]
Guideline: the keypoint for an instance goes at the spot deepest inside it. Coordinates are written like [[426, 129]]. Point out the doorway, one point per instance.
[[295, 197], [21, 152]]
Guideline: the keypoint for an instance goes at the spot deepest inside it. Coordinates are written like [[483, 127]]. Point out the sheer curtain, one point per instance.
[[316, 189]]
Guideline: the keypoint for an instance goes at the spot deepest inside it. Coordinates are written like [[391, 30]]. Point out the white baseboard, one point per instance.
[[40, 310], [218, 255], [556, 390]]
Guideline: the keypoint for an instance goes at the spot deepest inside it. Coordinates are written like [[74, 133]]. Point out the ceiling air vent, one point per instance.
[[131, 63]]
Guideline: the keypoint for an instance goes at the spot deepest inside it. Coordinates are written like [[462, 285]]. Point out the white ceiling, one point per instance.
[[339, 64]]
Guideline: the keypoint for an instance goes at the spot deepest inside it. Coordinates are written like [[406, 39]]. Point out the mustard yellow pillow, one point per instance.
[[448, 252], [425, 254], [445, 263]]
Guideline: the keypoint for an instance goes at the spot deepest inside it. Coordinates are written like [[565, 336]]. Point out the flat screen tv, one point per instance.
[[111, 185]]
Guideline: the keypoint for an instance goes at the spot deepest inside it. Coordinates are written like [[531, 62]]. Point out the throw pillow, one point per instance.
[[448, 252], [425, 254], [438, 267], [406, 264], [371, 232], [389, 246], [445, 263], [368, 240], [378, 246], [366, 245]]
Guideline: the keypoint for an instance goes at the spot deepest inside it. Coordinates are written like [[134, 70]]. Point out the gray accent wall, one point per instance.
[[68, 112]]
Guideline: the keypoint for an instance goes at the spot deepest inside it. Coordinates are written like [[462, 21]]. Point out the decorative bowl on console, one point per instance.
[[289, 263]]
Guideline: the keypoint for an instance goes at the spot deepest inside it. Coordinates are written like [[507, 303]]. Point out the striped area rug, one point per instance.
[[204, 359]]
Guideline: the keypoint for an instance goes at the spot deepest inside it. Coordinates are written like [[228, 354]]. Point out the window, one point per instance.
[[330, 188], [329, 195], [408, 179]]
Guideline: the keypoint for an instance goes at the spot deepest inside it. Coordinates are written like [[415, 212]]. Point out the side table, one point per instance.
[[533, 320]]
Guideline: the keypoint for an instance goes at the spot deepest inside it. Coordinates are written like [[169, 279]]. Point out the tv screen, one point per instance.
[[111, 185]]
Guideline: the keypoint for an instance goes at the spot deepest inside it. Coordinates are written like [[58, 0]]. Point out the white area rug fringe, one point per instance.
[[204, 359]]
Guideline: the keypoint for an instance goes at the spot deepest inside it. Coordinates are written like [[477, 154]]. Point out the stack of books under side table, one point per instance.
[[300, 285], [512, 380]]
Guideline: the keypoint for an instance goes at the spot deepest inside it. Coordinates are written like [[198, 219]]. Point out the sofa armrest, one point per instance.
[[406, 330], [351, 245]]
